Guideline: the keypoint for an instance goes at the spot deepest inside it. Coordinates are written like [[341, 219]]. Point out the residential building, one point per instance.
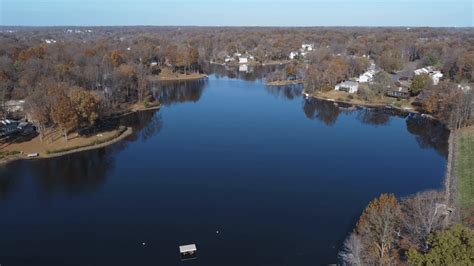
[[435, 75], [400, 92], [347, 86], [243, 60]]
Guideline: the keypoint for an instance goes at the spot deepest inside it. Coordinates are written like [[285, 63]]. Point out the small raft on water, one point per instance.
[[188, 252]]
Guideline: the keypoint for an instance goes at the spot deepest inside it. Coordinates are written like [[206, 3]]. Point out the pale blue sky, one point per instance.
[[438, 13]]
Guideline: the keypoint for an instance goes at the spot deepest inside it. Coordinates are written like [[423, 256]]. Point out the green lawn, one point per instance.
[[466, 173]]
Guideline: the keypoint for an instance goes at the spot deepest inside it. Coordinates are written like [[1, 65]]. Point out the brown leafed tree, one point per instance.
[[86, 105], [63, 112], [378, 227]]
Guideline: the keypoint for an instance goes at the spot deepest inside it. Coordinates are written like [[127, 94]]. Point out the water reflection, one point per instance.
[[244, 72], [8, 181], [170, 92], [289, 92], [325, 111], [373, 116], [83, 172], [429, 133], [78, 173], [145, 124]]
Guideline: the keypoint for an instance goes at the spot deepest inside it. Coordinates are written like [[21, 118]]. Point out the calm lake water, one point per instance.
[[282, 180]]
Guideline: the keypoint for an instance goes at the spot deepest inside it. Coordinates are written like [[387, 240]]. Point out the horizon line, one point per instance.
[[241, 26]]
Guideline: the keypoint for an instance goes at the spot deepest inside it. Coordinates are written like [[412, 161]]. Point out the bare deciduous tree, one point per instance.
[[352, 251], [423, 214]]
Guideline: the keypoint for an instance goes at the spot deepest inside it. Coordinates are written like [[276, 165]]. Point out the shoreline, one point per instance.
[[284, 82], [126, 133], [184, 77], [269, 63], [450, 182], [370, 105], [121, 136]]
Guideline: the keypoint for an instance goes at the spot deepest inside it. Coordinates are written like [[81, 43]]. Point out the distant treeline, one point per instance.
[[116, 63]]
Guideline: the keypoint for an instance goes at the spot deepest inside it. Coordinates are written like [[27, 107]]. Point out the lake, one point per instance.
[[253, 175]]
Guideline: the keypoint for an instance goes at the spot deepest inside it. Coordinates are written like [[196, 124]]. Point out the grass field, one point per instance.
[[466, 174]]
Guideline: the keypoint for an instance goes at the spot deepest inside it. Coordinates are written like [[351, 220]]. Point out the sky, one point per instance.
[[434, 13]]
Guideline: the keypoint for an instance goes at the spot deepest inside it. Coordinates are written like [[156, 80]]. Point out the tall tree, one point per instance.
[[63, 113], [379, 227], [86, 105], [423, 214]]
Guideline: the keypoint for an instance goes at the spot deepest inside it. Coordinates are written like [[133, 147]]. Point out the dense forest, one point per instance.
[[71, 77]]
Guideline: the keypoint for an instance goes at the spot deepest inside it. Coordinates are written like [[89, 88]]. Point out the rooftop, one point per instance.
[[187, 248]]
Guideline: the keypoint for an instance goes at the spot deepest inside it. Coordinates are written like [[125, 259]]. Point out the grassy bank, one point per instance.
[[46, 148], [284, 82], [169, 75], [465, 173], [93, 143], [354, 99]]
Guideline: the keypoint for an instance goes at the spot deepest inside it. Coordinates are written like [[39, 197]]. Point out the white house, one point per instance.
[[307, 47], [424, 70], [348, 86], [228, 59], [368, 76], [293, 55], [243, 59], [434, 74], [50, 41]]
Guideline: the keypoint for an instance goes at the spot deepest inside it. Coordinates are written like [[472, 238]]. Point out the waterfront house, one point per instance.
[[243, 60], [228, 59], [10, 127], [347, 86], [400, 92]]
